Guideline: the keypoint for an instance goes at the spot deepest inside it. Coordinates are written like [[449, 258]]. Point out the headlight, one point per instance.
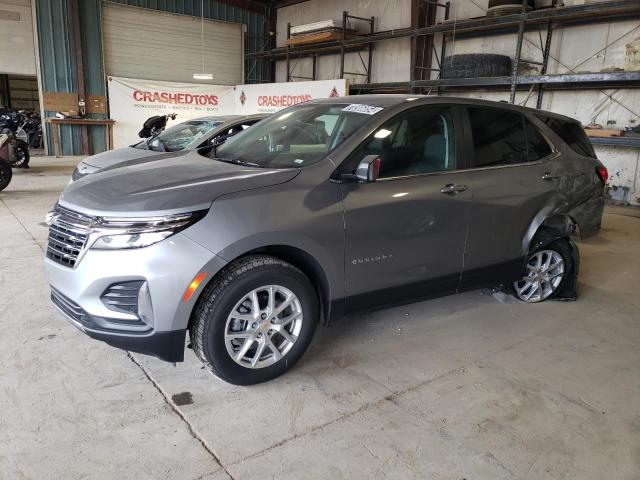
[[121, 233]]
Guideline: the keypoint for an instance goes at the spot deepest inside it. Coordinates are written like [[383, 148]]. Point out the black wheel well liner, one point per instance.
[[557, 227], [306, 263], [303, 261]]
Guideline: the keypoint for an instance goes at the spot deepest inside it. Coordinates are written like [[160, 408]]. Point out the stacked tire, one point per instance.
[[498, 8], [472, 65]]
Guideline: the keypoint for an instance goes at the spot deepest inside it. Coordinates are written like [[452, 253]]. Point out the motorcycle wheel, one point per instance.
[[5, 174], [22, 155]]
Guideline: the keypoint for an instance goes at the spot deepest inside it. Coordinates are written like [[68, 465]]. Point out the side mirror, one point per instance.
[[368, 169]]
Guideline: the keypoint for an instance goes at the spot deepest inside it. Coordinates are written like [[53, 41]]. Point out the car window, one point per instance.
[[498, 137], [571, 133], [180, 136], [537, 146], [415, 142]]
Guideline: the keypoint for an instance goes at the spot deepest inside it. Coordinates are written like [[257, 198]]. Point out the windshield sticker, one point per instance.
[[359, 108]]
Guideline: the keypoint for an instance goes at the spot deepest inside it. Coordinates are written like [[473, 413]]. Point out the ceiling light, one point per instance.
[[203, 76]]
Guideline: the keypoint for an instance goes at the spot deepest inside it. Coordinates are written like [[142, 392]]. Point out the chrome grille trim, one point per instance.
[[68, 233]]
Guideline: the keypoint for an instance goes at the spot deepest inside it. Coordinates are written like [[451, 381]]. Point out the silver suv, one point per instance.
[[324, 208]]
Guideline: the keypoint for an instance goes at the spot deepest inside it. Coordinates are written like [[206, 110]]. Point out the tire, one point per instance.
[[472, 65], [214, 320], [22, 154], [510, 3], [560, 248], [5, 174]]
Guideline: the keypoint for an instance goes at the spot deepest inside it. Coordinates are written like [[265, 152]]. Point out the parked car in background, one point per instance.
[[188, 135], [324, 208]]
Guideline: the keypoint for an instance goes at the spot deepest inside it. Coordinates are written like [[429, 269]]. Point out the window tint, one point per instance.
[[415, 142], [504, 138], [537, 146], [498, 137], [572, 134]]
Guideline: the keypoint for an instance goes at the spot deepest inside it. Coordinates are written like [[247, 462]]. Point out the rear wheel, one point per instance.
[[255, 320], [546, 271]]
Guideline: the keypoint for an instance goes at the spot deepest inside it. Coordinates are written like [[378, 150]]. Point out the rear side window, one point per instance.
[[501, 137], [572, 134]]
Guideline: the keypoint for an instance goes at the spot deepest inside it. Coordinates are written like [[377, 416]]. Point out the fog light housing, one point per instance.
[[145, 308]]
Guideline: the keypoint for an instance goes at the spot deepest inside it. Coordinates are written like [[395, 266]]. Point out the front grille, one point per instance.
[[69, 308], [67, 236], [123, 297]]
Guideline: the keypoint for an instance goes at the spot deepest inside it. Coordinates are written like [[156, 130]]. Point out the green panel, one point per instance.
[[58, 63]]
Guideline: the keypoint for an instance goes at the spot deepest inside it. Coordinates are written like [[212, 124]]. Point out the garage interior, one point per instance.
[[469, 386]]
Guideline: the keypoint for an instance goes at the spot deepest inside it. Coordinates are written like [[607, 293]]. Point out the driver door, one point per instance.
[[405, 232]]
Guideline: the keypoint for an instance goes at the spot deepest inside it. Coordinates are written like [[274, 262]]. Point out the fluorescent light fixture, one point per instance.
[[203, 76], [382, 133]]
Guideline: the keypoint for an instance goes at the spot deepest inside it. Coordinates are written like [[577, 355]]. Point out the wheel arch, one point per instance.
[[553, 228], [297, 257]]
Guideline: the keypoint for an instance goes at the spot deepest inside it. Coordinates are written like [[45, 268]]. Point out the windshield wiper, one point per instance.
[[237, 161]]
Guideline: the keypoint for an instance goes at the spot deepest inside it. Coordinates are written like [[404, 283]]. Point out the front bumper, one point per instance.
[[167, 268]]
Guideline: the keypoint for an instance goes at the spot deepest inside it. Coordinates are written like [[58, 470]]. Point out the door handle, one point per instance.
[[451, 188], [549, 176]]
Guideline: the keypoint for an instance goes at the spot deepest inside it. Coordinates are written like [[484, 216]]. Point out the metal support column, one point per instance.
[[516, 60], [545, 59]]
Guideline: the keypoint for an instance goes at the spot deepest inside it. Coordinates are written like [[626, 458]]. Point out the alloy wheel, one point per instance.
[[263, 326], [545, 271]]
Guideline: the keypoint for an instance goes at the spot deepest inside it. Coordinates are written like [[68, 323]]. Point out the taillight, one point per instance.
[[603, 174]]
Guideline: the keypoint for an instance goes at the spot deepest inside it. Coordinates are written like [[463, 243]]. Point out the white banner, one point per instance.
[[132, 101], [271, 97]]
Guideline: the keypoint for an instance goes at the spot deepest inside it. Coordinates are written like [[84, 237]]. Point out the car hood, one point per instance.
[[185, 182], [120, 155]]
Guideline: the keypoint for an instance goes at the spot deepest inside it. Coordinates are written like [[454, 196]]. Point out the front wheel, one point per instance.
[[5, 174], [546, 271], [255, 320]]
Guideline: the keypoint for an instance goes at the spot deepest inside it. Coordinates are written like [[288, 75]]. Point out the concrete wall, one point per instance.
[[391, 59]]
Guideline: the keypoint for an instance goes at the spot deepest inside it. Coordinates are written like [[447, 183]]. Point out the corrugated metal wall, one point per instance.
[[57, 50]]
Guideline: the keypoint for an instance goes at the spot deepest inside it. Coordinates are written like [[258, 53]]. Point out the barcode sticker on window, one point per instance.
[[359, 108]]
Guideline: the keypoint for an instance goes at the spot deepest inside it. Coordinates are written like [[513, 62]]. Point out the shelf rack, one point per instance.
[[549, 18]]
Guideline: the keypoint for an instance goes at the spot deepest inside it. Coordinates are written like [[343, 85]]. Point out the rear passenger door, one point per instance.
[[513, 178]]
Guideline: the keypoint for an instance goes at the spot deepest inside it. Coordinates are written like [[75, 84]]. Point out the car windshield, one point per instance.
[[296, 137], [180, 136]]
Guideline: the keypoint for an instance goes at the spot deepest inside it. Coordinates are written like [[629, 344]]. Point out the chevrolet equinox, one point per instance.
[[324, 208]]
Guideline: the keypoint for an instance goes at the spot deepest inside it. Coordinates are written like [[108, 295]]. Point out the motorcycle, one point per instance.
[[32, 125], [14, 146], [154, 125]]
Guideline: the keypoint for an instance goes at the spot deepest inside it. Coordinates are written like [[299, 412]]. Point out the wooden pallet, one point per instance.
[[603, 132], [318, 37]]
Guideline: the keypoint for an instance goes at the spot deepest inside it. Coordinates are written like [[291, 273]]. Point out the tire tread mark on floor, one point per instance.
[[194, 433]]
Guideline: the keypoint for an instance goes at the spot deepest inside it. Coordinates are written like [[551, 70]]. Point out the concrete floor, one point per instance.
[[470, 386]]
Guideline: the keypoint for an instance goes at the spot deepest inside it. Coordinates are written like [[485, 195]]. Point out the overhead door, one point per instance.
[[152, 45], [17, 53]]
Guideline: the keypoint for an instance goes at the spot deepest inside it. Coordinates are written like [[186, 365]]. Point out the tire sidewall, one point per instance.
[[214, 347]]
